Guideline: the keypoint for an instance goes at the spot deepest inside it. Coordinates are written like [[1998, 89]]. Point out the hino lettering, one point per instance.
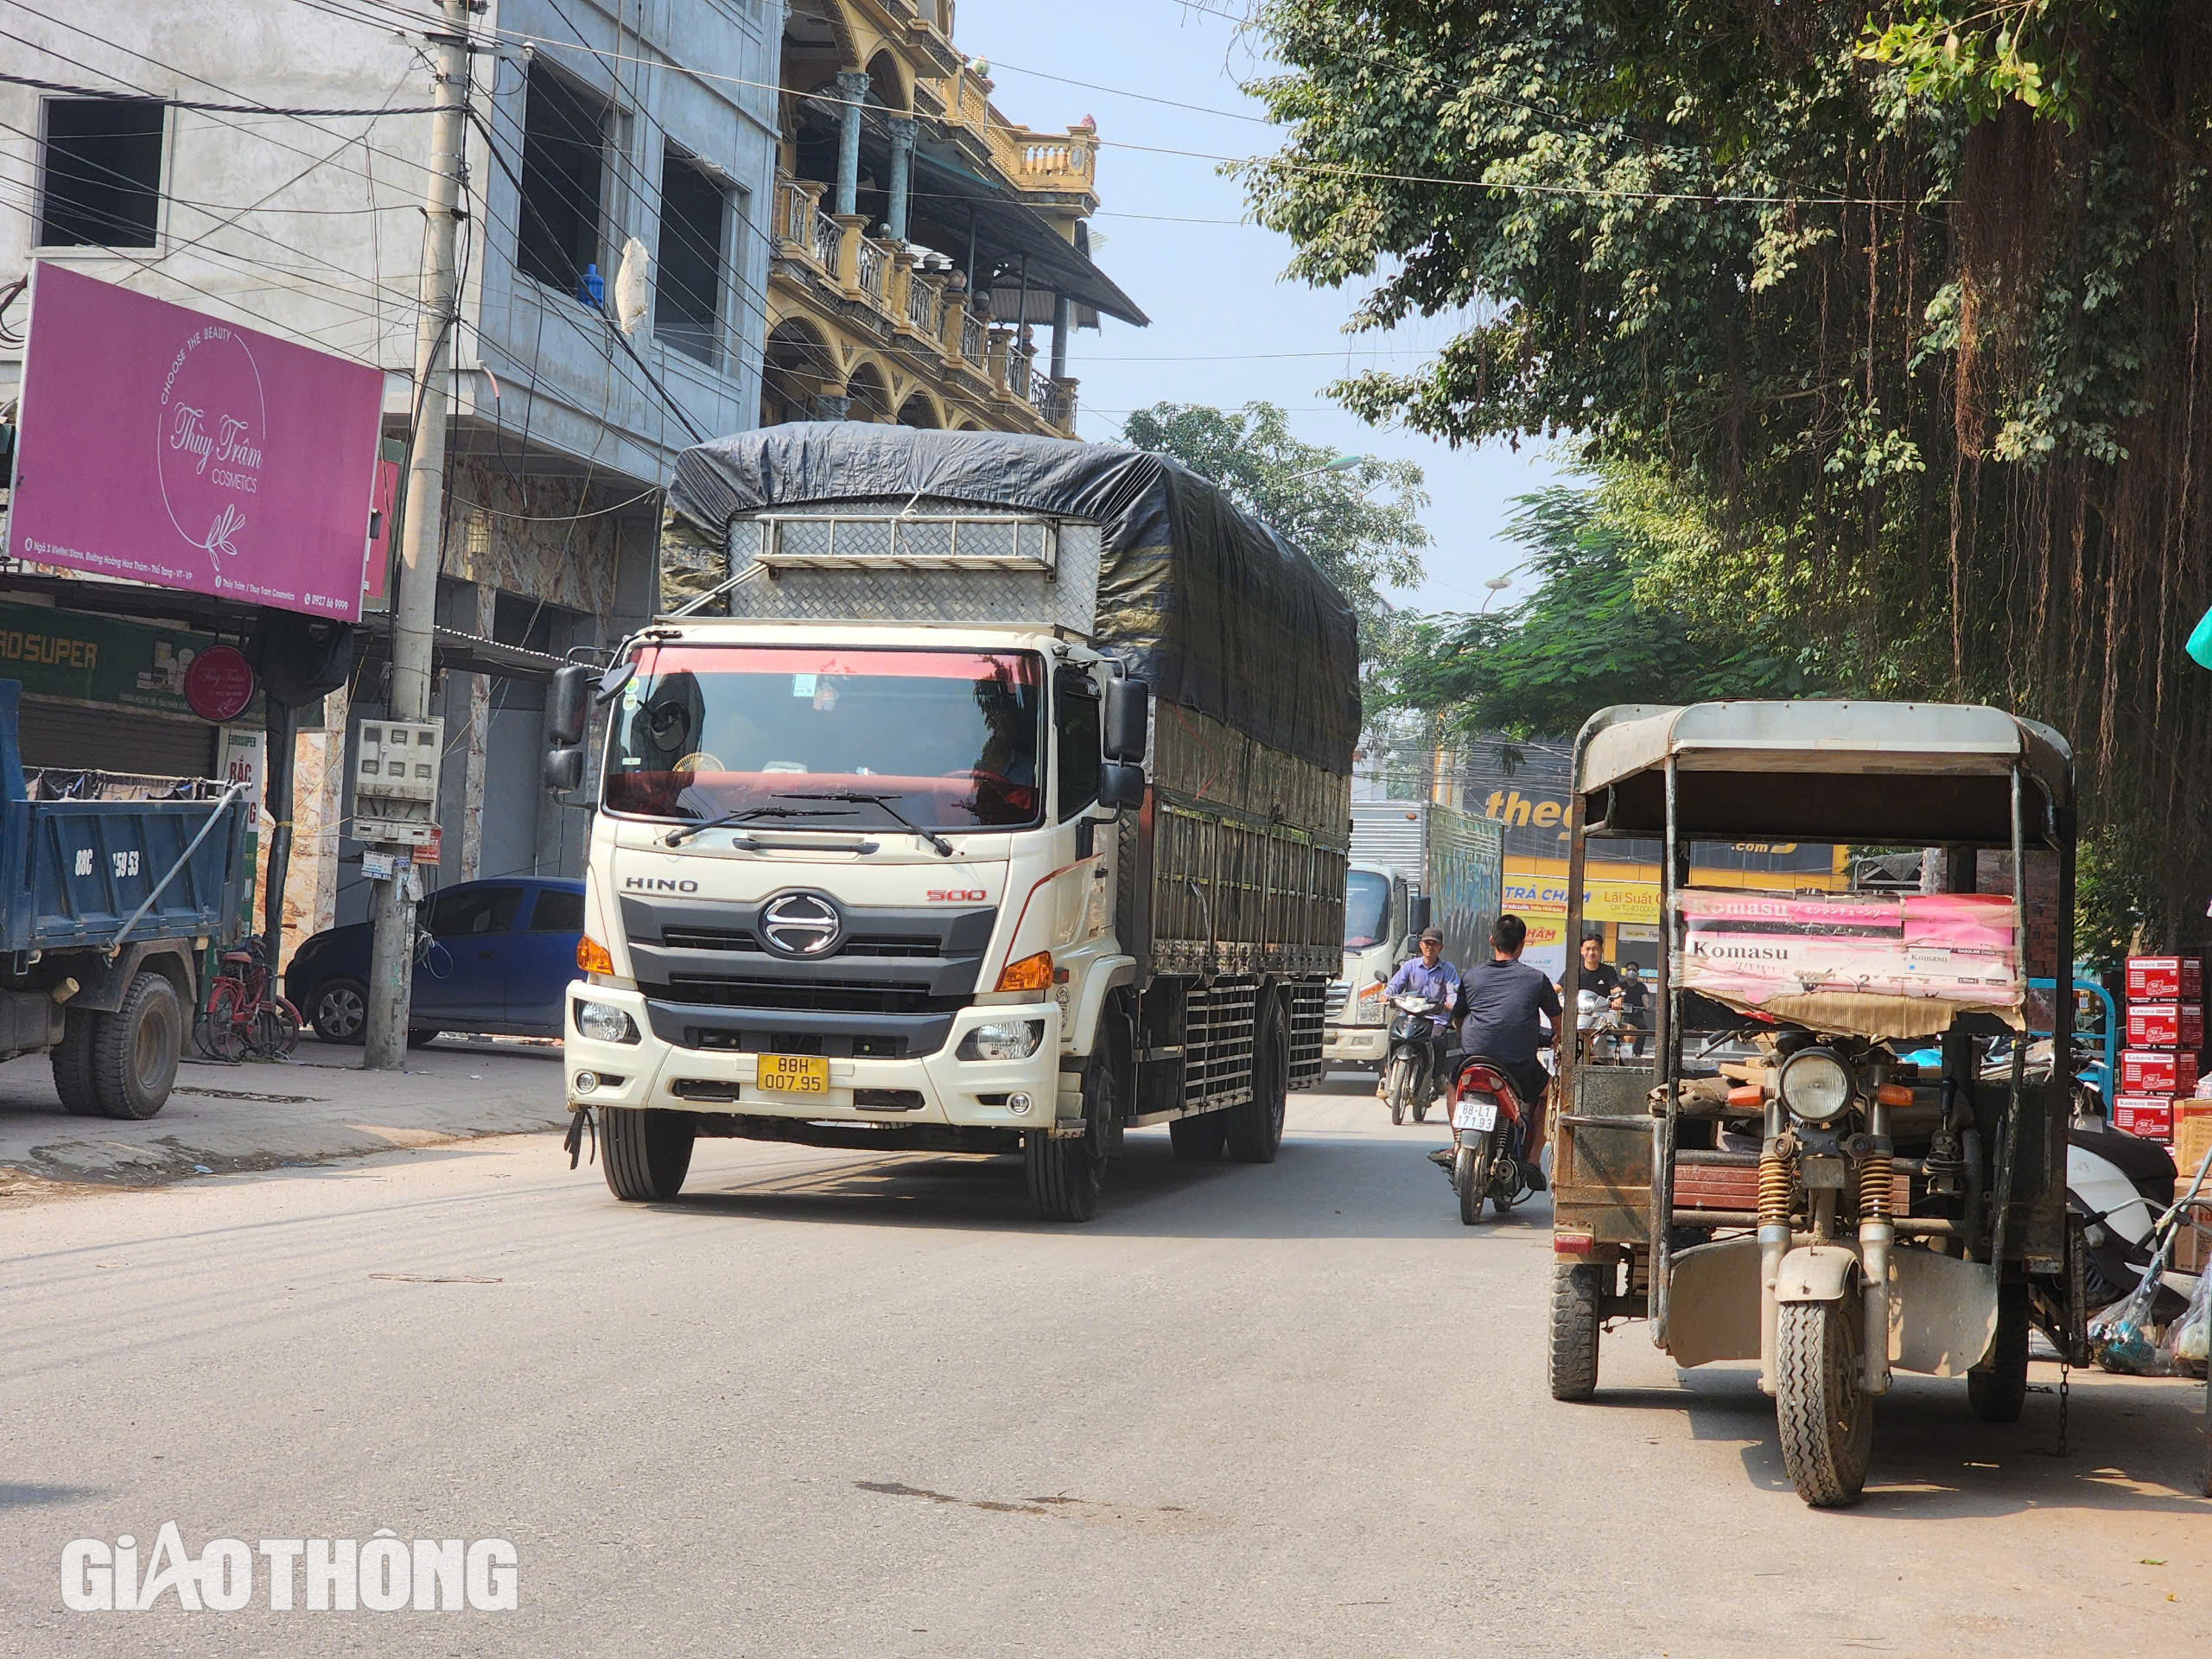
[[953, 887]]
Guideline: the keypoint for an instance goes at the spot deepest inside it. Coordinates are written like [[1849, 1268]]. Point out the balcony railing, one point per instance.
[[1019, 365], [874, 260], [826, 235], [924, 306], [1053, 399]]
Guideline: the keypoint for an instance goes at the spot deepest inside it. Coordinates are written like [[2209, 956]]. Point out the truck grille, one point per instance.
[[827, 995], [1339, 994]]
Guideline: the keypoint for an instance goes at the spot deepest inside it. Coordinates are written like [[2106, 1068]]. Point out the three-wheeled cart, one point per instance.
[[1777, 1184]]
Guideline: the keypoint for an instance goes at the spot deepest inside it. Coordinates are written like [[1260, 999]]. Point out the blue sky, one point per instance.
[[1219, 306]]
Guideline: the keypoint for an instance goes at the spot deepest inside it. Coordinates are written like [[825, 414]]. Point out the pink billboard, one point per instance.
[[163, 445]]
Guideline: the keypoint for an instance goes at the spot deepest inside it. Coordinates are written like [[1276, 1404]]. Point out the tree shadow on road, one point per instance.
[[2135, 1444]]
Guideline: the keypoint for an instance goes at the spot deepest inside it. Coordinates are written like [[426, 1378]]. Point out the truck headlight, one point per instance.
[[604, 1023], [1007, 1039], [1816, 1084]]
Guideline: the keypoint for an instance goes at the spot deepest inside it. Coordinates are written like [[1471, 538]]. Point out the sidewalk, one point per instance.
[[318, 1105]]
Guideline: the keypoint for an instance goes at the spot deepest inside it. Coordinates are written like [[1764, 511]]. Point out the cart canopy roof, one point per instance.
[[1913, 773]]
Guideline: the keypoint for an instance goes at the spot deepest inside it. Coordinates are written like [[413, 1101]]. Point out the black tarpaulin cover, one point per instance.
[[1217, 611]]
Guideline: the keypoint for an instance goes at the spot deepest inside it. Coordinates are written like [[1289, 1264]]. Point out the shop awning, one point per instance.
[[1012, 229]]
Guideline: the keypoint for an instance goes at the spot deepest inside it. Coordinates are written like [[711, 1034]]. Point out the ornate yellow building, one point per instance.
[[921, 240]]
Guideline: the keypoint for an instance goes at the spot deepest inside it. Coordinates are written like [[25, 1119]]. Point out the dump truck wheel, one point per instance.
[[1821, 1404], [1197, 1140], [1254, 1125], [73, 1064], [1572, 1363], [1999, 1389], [135, 1050], [646, 1154]]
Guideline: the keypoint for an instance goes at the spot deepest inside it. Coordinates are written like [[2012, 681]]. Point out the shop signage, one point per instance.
[[99, 658], [163, 445], [1602, 901], [219, 683]]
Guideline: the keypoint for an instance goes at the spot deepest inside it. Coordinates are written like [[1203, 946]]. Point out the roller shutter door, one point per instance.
[[82, 739]]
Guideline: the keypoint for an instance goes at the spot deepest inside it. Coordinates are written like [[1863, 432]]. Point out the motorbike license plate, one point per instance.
[[795, 1074], [1476, 1112]]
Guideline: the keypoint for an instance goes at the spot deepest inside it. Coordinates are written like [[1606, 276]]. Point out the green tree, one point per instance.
[[1900, 309], [1362, 543], [1591, 633]]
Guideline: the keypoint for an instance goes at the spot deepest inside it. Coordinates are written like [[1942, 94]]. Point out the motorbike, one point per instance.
[[1409, 1080], [1604, 1027], [2117, 1186], [1488, 1128]]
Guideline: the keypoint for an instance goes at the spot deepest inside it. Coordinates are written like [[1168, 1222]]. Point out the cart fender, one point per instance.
[[1816, 1273], [1103, 976]]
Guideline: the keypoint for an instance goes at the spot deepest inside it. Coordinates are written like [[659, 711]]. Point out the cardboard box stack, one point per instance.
[[2164, 1032]]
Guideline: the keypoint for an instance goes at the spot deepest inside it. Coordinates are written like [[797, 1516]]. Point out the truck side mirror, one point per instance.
[[564, 770], [1419, 912], [567, 706], [1125, 719], [1121, 784]]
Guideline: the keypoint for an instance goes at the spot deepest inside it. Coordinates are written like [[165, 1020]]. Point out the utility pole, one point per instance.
[[416, 605]]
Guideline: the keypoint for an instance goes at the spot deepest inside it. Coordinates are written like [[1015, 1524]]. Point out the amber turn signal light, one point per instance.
[[1894, 1094], [1746, 1096], [592, 957], [1030, 973]]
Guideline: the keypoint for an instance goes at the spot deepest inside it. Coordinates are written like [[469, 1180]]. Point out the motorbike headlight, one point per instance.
[[1007, 1039], [1816, 1084], [604, 1023]]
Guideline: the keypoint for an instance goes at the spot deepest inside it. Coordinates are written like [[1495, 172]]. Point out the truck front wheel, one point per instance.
[[1068, 1172], [135, 1050], [646, 1154], [73, 1064]]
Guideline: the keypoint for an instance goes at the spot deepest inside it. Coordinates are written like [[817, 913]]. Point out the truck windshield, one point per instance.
[[1367, 908], [950, 739]]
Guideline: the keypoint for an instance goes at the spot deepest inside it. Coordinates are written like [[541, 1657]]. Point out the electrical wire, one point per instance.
[[67, 91]]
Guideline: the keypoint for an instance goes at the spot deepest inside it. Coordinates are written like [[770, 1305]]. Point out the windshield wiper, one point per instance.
[[860, 798], [677, 837]]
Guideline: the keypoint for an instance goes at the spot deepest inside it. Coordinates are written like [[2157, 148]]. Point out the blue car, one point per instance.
[[500, 955]]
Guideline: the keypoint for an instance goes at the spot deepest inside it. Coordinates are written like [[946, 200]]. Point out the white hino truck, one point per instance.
[[1413, 863], [973, 793]]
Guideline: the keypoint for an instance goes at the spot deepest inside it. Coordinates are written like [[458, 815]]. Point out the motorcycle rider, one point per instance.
[[1597, 991], [1505, 999], [1430, 976]]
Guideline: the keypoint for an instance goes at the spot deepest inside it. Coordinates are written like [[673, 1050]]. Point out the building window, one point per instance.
[[100, 174], [564, 180], [694, 214]]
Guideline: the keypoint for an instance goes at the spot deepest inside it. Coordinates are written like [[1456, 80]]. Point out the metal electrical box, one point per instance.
[[396, 781]]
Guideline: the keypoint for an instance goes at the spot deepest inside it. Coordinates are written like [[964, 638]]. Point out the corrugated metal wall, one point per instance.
[[1389, 832]]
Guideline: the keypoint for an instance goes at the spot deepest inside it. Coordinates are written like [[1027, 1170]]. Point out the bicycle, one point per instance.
[[241, 1016]]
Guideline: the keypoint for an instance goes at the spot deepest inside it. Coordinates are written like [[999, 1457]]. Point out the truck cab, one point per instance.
[[850, 875], [1379, 930]]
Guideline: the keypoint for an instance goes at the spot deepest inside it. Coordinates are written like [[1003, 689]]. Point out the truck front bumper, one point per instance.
[[1355, 1044], [938, 1089]]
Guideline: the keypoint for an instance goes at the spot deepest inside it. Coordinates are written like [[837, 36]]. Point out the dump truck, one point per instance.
[[987, 793], [107, 910], [1413, 864]]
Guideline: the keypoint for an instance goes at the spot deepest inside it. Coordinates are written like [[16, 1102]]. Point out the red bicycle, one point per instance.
[[242, 1015]]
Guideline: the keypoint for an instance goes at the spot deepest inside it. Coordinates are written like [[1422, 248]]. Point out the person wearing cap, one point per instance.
[[1429, 975]]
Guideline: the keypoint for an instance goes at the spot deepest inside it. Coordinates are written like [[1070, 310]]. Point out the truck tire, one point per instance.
[[135, 1050], [1254, 1126], [646, 1154], [1572, 1362], [1068, 1173], [73, 1064], [1999, 1390], [1197, 1140]]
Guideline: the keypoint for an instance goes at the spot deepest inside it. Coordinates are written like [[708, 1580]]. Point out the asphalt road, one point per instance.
[[835, 1404]]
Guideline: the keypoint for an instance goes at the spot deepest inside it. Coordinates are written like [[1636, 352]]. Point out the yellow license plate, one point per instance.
[[795, 1074]]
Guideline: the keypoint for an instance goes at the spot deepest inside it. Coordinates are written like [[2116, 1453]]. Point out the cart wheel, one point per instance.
[[1825, 1414], [1997, 1388], [1471, 1174], [1572, 1363]]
